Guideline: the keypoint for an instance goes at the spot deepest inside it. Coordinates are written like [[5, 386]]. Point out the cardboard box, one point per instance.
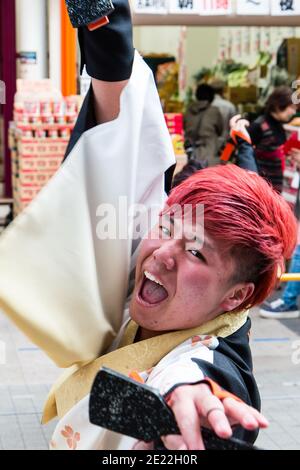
[[34, 178], [49, 163], [241, 95], [288, 56], [42, 146]]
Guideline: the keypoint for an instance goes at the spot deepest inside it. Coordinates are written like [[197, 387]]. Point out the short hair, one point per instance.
[[255, 223], [279, 100], [205, 92], [218, 86]]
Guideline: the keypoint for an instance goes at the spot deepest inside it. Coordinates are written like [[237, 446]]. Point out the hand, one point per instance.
[[195, 406], [240, 125], [294, 155]]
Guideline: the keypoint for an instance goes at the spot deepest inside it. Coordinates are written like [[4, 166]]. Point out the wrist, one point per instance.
[[108, 52]]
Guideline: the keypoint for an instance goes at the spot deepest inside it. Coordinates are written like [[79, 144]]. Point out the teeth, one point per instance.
[[152, 278]]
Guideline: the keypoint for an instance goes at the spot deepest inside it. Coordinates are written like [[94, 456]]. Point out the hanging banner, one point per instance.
[[216, 7], [182, 77], [253, 7], [189, 7], [285, 7], [151, 7]]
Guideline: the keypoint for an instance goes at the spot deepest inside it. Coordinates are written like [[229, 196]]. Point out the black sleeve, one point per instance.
[[255, 132], [85, 121], [225, 374], [232, 370]]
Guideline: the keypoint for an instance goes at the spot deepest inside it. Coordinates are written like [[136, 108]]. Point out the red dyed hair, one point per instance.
[[255, 224]]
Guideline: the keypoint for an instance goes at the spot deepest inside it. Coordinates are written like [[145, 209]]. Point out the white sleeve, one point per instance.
[[180, 367], [62, 285]]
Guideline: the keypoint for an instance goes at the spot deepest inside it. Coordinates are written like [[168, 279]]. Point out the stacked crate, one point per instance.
[[38, 139], [174, 123]]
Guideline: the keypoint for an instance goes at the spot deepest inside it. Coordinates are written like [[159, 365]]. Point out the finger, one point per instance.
[[262, 420], [243, 123], [234, 120], [188, 420], [249, 410], [241, 413], [174, 442], [212, 409], [141, 445], [220, 424]]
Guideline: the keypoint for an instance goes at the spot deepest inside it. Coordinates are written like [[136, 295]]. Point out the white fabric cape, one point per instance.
[[62, 285]]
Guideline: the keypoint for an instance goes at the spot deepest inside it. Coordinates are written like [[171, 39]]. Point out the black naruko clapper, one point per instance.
[[122, 405], [85, 12]]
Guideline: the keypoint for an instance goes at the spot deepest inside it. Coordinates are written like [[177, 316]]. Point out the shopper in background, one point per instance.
[[239, 145], [226, 108], [286, 306], [241, 148], [268, 135], [203, 125]]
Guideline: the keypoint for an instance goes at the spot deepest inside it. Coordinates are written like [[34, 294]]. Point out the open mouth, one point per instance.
[[152, 291]]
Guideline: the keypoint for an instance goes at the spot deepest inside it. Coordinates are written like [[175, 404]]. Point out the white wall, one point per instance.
[[31, 32], [201, 48], [159, 39]]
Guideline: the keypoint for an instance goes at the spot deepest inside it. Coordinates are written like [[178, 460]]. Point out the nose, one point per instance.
[[166, 254]]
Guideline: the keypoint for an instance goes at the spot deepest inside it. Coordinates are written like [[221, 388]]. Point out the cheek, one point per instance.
[[195, 281], [200, 282], [147, 247]]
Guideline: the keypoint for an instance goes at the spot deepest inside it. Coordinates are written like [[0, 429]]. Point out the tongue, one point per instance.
[[153, 293]]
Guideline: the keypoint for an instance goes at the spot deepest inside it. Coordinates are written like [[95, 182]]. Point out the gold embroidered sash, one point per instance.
[[76, 382]]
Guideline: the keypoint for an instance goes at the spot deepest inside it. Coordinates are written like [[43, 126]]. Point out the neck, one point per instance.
[[143, 334], [274, 116]]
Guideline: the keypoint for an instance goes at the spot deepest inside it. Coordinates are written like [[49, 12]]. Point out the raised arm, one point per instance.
[[108, 54], [107, 99]]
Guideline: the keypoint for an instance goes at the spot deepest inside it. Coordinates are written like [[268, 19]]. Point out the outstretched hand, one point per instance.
[[195, 406], [240, 125]]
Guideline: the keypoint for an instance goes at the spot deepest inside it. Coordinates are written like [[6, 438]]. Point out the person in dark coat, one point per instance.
[[203, 125]]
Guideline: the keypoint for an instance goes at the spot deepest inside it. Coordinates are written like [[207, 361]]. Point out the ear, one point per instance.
[[237, 295]]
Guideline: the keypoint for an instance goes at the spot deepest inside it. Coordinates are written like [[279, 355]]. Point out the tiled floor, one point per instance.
[[26, 376]]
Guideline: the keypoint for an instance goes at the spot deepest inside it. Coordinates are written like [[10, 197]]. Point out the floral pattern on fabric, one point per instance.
[[211, 342], [71, 437], [178, 366]]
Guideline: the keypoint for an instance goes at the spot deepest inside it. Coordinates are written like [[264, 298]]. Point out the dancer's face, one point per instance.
[[183, 283]]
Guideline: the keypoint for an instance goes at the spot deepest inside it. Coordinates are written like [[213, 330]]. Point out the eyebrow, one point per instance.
[[206, 244]]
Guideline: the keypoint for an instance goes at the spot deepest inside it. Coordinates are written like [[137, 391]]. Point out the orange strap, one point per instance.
[[134, 375], [234, 134], [227, 152], [218, 391], [98, 24], [231, 145]]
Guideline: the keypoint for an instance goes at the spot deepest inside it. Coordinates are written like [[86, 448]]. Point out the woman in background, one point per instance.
[[268, 135]]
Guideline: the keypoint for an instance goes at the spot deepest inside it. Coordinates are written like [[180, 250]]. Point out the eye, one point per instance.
[[165, 231], [198, 255]]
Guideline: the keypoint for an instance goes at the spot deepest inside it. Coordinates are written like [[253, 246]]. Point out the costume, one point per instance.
[[58, 281], [66, 288], [225, 360]]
